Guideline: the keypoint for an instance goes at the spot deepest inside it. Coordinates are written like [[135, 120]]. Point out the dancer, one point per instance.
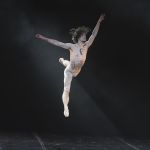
[[78, 52]]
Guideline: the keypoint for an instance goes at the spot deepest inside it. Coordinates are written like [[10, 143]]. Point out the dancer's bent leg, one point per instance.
[[64, 62]]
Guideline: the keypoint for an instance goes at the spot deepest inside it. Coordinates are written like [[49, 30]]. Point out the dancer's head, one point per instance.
[[79, 34]]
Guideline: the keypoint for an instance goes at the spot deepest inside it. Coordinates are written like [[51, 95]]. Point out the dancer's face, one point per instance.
[[82, 38]]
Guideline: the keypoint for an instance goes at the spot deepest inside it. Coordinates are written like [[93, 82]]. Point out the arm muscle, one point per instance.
[[95, 31], [54, 42]]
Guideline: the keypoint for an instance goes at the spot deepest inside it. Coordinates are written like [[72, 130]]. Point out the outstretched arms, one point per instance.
[[54, 42], [95, 31]]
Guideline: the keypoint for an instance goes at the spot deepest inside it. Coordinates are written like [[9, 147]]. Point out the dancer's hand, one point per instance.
[[101, 17], [38, 36]]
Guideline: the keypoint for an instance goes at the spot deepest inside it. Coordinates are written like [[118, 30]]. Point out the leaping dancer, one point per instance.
[[78, 52]]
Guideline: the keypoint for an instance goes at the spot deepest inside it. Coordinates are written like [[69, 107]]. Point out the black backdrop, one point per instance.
[[111, 94]]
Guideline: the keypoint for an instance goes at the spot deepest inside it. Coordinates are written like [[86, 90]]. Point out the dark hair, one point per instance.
[[77, 32]]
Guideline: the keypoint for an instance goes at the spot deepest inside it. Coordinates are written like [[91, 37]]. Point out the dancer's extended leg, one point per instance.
[[67, 84]]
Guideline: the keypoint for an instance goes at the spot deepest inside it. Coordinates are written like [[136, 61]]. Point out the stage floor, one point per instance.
[[35, 141]]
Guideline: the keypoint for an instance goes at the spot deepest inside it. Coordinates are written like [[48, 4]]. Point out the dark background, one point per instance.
[[110, 97]]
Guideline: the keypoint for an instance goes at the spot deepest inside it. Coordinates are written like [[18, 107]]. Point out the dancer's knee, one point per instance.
[[65, 97], [67, 90], [67, 78]]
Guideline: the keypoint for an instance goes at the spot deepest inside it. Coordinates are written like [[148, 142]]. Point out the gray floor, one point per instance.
[[34, 141]]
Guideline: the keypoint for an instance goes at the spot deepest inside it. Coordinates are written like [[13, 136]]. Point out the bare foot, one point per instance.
[[37, 35], [66, 112]]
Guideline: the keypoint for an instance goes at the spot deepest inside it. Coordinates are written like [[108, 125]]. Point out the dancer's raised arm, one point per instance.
[[54, 42], [95, 31]]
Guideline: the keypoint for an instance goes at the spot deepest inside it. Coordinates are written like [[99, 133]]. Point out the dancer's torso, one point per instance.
[[77, 57]]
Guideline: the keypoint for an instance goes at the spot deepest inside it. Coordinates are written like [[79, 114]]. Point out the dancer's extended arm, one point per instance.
[[54, 42], [95, 31]]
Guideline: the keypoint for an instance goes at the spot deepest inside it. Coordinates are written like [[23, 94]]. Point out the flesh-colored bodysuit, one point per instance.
[[73, 67], [77, 59]]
